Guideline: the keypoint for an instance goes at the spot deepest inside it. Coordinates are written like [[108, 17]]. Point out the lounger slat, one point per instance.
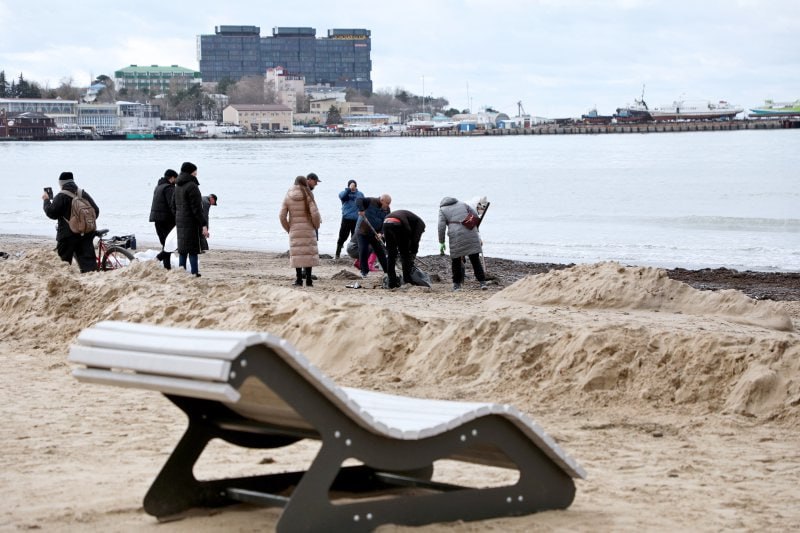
[[221, 392], [195, 347], [151, 363], [249, 338]]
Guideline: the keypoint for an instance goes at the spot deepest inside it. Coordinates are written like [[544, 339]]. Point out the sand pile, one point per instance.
[[593, 333], [610, 285]]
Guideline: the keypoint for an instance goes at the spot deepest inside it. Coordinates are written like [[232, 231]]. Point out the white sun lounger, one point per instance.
[[256, 390]]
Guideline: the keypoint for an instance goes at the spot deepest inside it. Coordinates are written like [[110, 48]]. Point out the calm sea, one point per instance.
[[694, 199]]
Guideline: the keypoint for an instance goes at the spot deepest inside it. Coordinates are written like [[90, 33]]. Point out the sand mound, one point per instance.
[[522, 344], [610, 285]]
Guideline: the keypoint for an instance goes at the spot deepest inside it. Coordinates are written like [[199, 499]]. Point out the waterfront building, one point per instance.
[[31, 125], [155, 79], [98, 117], [63, 112], [323, 92], [261, 117], [340, 59], [134, 116]]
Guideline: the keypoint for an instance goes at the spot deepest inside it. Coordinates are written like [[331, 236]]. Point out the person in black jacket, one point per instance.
[[69, 244], [402, 230], [161, 211], [189, 217]]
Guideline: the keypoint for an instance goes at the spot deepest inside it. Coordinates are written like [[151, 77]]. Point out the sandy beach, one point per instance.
[[678, 392]]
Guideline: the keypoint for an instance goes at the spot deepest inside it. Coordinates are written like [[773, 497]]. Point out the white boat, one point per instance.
[[696, 110]]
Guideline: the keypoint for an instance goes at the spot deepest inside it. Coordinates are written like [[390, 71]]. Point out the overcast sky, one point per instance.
[[558, 57]]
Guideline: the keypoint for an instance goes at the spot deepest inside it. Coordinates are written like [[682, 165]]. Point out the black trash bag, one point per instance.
[[418, 277]]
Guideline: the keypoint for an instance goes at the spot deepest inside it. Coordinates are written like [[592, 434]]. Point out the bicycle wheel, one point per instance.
[[115, 258]]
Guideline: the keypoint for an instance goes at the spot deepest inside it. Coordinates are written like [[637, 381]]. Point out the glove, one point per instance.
[[441, 248]]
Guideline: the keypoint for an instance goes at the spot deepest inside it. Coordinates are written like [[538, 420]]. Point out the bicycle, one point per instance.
[[113, 253]]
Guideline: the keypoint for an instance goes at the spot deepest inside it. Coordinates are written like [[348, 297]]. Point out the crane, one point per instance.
[[520, 109]]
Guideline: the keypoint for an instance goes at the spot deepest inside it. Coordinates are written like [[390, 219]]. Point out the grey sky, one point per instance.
[[559, 57]]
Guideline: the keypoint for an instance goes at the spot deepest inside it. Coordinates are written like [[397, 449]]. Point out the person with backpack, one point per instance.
[[76, 213], [161, 212]]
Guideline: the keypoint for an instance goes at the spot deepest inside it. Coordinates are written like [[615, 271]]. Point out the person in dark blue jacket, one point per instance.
[[371, 212], [349, 214]]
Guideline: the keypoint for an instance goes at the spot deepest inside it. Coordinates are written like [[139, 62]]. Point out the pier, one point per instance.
[[596, 129]]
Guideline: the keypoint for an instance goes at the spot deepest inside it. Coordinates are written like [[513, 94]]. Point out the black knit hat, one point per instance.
[[188, 167], [65, 178], [170, 173], [312, 176], [352, 181]]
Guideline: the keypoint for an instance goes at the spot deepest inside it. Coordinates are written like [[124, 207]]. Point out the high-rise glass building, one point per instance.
[[341, 59]]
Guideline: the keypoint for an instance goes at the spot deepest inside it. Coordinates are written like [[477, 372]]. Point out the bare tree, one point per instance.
[[248, 90], [66, 91], [270, 92]]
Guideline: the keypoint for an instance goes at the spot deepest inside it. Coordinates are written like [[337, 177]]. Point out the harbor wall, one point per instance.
[[593, 129]]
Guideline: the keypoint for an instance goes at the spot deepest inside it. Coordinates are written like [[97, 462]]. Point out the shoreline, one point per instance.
[[759, 285]]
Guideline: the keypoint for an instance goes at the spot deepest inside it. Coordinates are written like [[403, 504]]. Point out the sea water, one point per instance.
[[690, 199]]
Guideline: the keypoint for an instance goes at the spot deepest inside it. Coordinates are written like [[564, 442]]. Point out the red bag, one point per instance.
[[471, 221]]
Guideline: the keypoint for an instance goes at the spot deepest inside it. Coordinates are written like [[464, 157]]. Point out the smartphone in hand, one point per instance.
[[49, 191]]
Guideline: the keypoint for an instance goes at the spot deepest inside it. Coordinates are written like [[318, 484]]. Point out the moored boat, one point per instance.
[[593, 117], [637, 112], [696, 110], [776, 109]]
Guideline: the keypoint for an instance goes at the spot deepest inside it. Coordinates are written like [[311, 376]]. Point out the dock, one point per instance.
[[596, 129]]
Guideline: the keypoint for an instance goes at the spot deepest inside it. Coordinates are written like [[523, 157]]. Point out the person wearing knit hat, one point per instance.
[[64, 178], [191, 221], [161, 213], [188, 167], [71, 245], [347, 228]]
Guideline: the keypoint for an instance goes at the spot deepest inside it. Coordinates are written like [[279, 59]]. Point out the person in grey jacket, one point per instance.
[[464, 242]]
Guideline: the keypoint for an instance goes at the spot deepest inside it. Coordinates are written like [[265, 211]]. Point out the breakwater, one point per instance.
[[593, 129]]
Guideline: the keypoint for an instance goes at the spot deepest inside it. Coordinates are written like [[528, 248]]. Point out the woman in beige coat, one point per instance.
[[300, 218]]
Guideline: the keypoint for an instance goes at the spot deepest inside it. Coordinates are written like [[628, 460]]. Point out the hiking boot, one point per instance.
[[298, 282], [484, 286], [456, 287]]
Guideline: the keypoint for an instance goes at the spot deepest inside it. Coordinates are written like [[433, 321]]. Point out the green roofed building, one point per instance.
[[154, 78]]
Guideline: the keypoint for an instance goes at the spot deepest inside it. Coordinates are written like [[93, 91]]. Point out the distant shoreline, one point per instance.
[[569, 128]]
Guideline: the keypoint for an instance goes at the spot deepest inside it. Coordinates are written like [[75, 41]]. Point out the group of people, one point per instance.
[[389, 235], [377, 230], [177, 202]]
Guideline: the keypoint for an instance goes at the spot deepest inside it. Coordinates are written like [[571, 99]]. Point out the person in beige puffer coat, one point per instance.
[[300, 217]]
